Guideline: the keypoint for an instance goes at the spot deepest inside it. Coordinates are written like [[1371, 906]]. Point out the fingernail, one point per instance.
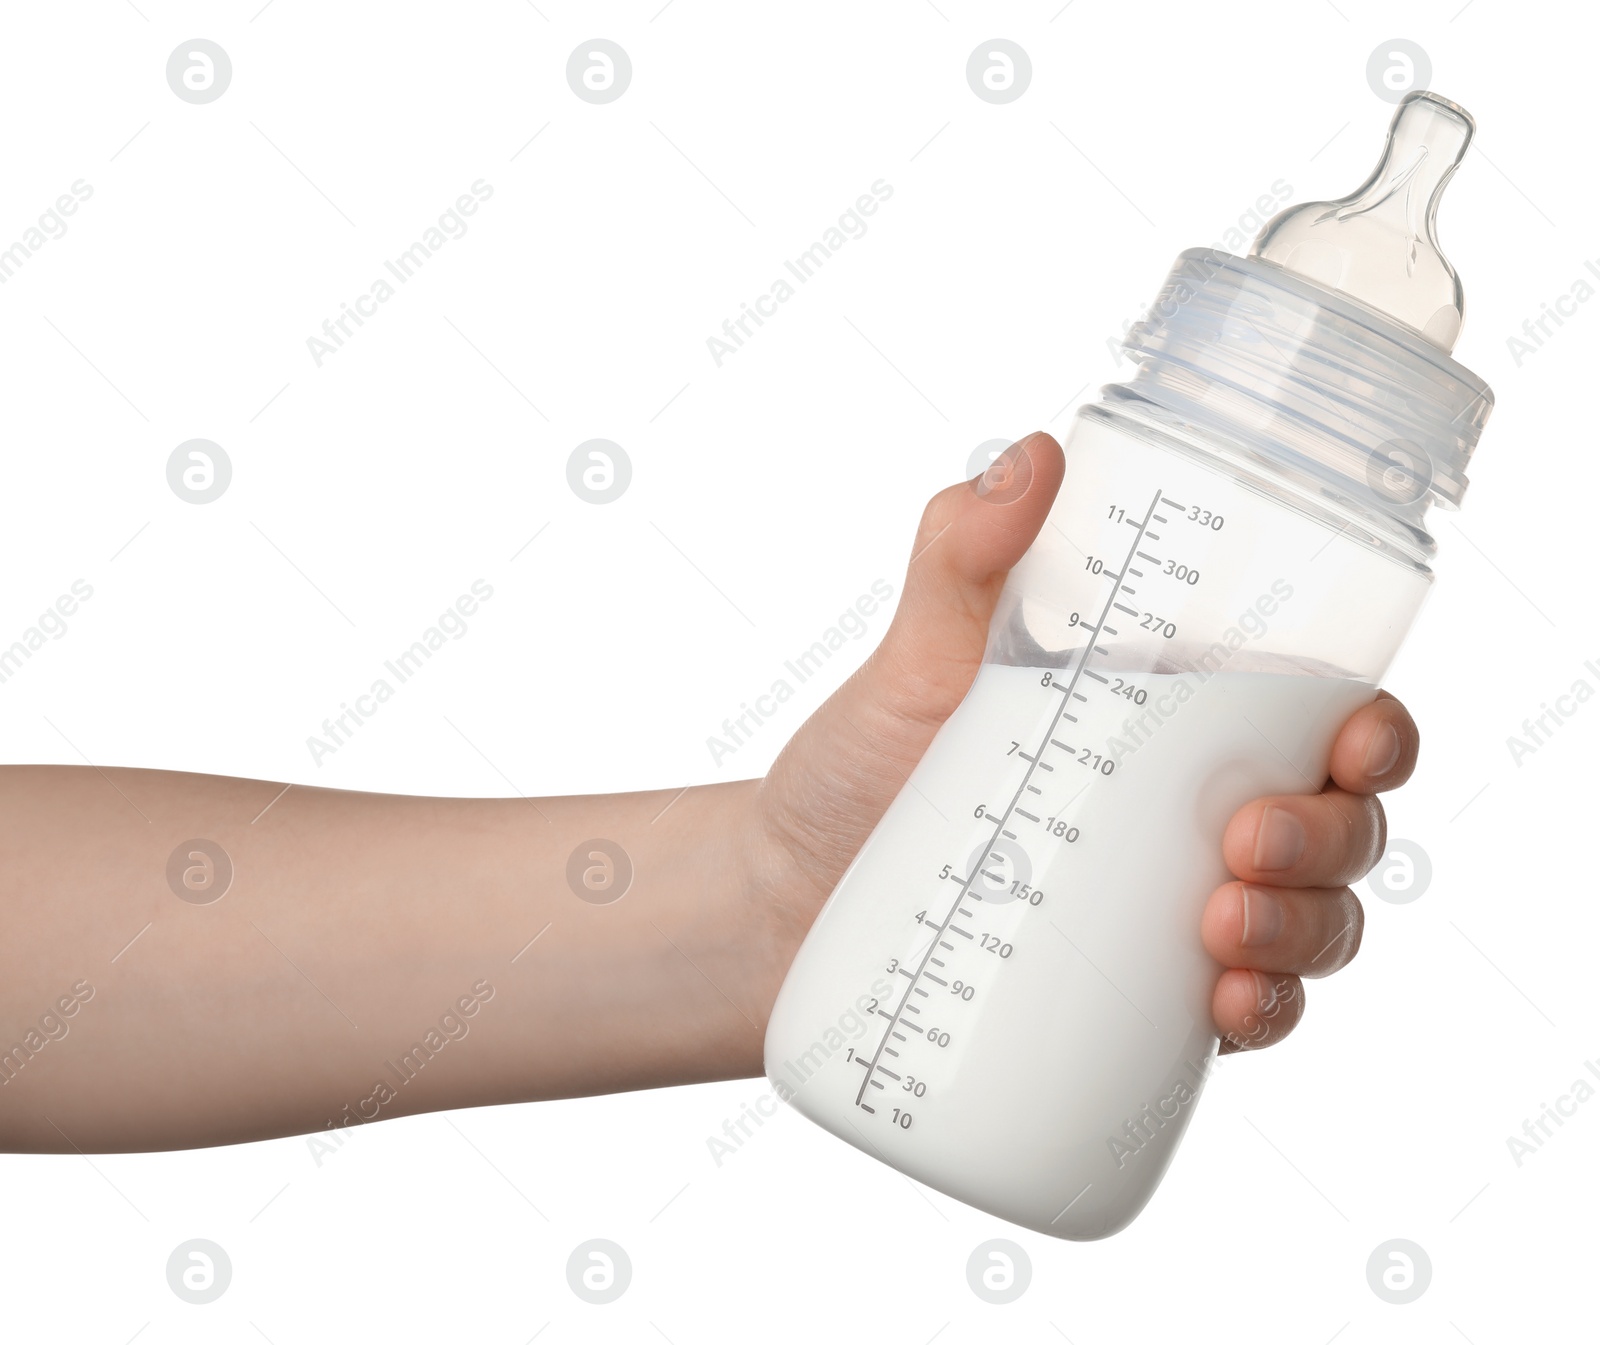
[[998, 472], [1280, 841], [1018, 452], [1382, 752], [1263, 918], [1008, 476]]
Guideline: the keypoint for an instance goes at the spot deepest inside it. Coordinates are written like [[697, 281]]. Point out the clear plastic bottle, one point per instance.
[[1006, 996]]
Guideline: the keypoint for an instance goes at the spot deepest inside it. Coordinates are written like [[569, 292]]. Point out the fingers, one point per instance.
[[1305, 840], [1291, 915], [1376, 749], [1279, 930], [1253, 1009]]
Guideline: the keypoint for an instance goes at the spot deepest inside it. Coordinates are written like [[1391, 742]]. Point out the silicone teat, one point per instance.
[[1378, 244]]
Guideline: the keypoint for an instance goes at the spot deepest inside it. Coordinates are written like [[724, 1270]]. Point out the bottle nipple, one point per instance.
[[1378, 245]]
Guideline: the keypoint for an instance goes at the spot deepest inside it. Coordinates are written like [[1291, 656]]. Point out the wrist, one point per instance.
[[721, 941], [777, 899]]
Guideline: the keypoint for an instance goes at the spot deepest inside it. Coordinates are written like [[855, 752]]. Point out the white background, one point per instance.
[[767, 494]]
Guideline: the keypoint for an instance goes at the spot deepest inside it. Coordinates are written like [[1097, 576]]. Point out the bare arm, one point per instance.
[[371, 957]]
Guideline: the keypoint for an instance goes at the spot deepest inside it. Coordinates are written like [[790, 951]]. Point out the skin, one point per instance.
[[356, 923]]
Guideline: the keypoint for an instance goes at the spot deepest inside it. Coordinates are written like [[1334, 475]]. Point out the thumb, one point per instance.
[[837, 775], [969, 538]]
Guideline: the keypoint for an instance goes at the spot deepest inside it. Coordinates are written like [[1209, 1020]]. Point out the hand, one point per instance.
[[839, 773]]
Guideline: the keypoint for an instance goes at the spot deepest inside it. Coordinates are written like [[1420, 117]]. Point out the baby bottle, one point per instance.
[[1006, 996]]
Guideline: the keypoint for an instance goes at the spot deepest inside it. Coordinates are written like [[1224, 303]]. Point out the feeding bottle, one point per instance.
[[1006, 995]]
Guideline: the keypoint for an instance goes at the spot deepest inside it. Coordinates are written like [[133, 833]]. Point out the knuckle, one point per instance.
[[938, 512]]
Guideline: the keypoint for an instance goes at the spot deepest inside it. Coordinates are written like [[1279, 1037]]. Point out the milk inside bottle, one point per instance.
[[1234, 556]]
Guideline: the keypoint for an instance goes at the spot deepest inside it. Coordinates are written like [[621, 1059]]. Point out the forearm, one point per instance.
[[356, 925]]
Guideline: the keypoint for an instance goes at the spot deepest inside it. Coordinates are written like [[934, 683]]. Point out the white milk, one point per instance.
[[1079, 1028]]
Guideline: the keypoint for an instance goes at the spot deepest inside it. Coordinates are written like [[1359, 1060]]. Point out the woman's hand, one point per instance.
[[1287, 917]]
